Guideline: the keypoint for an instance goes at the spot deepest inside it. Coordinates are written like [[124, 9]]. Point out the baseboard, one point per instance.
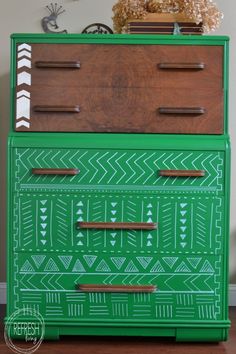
[[232, 294], [3, 291]]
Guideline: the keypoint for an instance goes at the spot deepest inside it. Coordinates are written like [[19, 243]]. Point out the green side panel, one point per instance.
[[109, 169]]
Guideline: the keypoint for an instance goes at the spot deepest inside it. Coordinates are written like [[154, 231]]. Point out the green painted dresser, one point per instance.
[[119, 179]]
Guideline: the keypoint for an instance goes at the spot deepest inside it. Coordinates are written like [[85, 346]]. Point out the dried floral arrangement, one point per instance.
[[199, 11]]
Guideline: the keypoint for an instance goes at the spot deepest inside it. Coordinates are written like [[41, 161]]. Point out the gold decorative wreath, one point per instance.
[[199, 11]]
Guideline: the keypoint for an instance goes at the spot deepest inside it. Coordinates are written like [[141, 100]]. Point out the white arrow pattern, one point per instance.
[[24, 63], [24, 77]]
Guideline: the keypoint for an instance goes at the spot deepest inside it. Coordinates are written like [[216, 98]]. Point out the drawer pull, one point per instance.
[[57, 109], [182, 173], [116, 288], [55, 171], [118, 225], [58, 64], [181, 66], [182, 110]]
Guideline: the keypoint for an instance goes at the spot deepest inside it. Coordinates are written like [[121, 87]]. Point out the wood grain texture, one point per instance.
[[116, 288], [181, 173], [55, 171], [118, 225], [128, 66], [128, 110]]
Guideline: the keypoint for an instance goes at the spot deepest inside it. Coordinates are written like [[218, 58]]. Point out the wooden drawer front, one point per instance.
[[119, 88], [180, 224], [125, 110], [188, 288], [125, 65], [138, 170]]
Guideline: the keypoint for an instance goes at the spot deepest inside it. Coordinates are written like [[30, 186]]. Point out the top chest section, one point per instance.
[[130, 88]]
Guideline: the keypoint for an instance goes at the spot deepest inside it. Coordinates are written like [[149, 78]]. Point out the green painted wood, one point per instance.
[[118, 169], [186, 257], [119, 39], [185, 223]]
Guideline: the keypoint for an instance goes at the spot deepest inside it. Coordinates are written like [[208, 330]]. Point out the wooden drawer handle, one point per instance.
[[58, 64], [118, 225], [58, 109], [182, 173], [181, 110], [181, 66], [55, 171], [116, 288]]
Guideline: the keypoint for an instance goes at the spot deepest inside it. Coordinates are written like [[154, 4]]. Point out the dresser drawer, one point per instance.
[[118, 223], [136, 110], [125, 65], [138, 170], [187, 288], [144, 88]]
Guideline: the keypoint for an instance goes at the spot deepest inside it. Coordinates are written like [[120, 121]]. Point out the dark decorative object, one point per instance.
[[98, 28], [49, 23]]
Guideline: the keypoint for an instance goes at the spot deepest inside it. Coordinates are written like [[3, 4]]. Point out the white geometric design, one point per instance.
[[24, 46], [90, 260], [183, 244], [43, 241], [103, 267], [24, 53], [27, 267], [51, 266], [23, 108], [38, 259], [24, 62], [66, 260], [182, 268], [183, 221], [118, 261], [131, 268], [183, 205], [194, 261], [23, 93], [78, 267], [207, 268], [170, 261], [23, 78], [22, 123], [157, 268], [144, 261]]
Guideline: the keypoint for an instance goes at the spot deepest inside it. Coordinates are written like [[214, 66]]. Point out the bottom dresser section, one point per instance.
[[177, 287]]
